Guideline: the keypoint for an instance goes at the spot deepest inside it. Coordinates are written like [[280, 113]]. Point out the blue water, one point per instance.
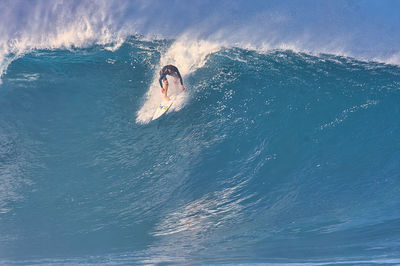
[[272, 157]]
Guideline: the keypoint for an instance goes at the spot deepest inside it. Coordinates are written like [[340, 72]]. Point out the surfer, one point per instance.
[[172, 71]]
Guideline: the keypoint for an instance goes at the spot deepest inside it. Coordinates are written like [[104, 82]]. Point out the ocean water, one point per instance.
[[277, 156], [274, 157]]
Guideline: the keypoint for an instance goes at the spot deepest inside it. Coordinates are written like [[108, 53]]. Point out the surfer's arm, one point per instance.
[[180, 78]]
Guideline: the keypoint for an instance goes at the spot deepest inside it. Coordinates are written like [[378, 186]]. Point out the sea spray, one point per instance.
[[365, 30], [188, 56]]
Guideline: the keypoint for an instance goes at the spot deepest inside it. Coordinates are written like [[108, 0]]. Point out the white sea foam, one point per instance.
[[188, 56], [31, 25]]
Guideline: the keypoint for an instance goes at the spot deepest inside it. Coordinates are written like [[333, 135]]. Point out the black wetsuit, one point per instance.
[[174, 72]]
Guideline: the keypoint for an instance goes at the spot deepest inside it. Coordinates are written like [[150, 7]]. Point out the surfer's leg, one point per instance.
[[165, 85], [165, 89]]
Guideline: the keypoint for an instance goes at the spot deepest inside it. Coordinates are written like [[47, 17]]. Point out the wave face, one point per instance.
[[276, 157]]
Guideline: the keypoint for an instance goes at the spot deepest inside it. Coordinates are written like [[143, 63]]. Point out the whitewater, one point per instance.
[[284, 148]]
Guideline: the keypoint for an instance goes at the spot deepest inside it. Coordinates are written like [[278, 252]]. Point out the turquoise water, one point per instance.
[[273, 157]]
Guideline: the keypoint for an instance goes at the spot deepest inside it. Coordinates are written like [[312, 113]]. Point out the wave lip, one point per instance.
[[367, 30]]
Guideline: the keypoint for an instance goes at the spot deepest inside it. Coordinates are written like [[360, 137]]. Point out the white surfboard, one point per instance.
[[162, 108]]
